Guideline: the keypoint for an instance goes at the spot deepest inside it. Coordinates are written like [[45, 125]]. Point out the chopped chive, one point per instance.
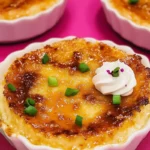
[[29, 102], [83, 67], [30, 110], [78, 121], [71, 92], [11, 87], [45, 59], [52, 81], [133, 1], [115, 72], [116, 99]]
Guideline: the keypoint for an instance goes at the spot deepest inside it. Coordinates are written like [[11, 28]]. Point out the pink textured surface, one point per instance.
[[82, 18]]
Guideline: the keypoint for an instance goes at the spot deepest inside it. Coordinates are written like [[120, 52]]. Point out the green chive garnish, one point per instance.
[[71, 92], [29, 102], [52, 81], [45, 59], [11, 87], [133, 1], [115, 72], [30, 110], [83, 67], [116, 99], [78, 121]]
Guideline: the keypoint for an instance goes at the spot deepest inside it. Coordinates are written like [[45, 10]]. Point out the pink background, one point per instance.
[[82, 18]]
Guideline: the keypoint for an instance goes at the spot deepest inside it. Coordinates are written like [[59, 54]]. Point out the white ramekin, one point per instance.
[[129, 30], [30, 26], [21, 143]]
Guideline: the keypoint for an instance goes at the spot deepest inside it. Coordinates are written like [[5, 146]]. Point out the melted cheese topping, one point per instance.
[[138, 13], [54, 125], [13, 9]]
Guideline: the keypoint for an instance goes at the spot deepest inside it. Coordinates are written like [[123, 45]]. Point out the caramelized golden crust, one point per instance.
[[139, 12], [56, 112], [13, 9]]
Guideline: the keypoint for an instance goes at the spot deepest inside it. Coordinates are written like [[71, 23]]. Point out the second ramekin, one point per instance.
[[27, 27], [137, 34]]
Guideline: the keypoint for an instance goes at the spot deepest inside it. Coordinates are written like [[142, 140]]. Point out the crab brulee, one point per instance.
[[75, 94]]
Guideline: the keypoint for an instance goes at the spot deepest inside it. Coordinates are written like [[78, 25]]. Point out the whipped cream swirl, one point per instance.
[[107, 84]]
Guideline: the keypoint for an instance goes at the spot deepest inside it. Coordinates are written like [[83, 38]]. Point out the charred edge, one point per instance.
[[73, 64], [110, 120], [92, 129], [148, 72], [123, 113], [19, 63], [12, 104], [49, 47], [143, 101], [24, 83], [114, 119], [77, 56], [102, 46], [138, 57], [38, 98], [89, 98], [66, 132], [64, 65]]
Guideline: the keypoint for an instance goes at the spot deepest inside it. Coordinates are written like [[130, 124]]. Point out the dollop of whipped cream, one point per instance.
[[107, 84]]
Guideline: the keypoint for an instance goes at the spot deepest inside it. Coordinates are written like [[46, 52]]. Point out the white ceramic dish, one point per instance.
[[137, 34], [30, 26], [21, 143]]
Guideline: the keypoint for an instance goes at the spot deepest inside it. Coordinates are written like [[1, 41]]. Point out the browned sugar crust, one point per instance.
[[14, 9], [25, 73]]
